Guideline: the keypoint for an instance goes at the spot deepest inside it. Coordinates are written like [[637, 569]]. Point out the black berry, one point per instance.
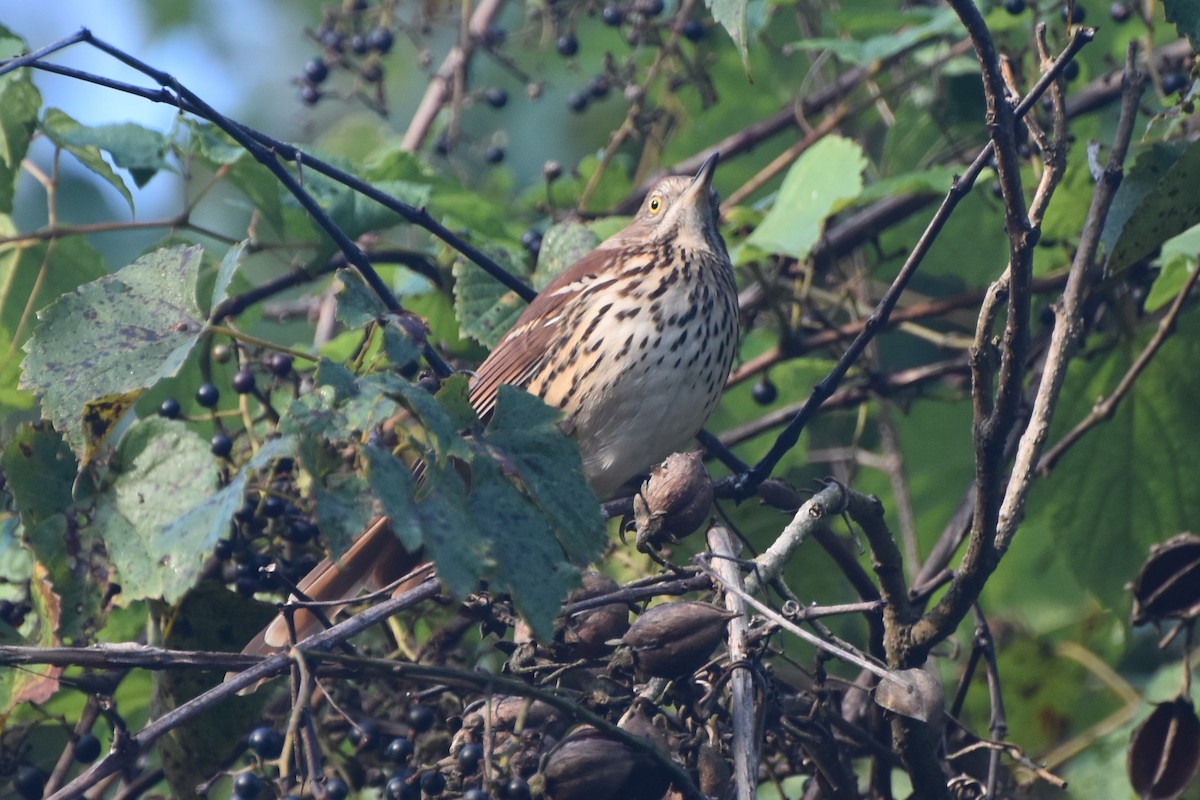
[[551, 171], [651, 8], [380, 40], [221, 445], [222, 353], [247, 786], [1173, 82], [495, 97], [764, 391], [332, 39], [30, 782], [692, 30], [398, 788], [1120, 12], [336, 789], [433, 782], [494, 154], [358, 44], [87, 748], [398, 750], [421, 718], [531, 240], [223, 549], [598, 87], [1014, 7], [266, 742], [517, 789], [301, 531], [316, 70], [309, 94], [364, 736], [273, 508], [475, 794], [1074, 13], [243, 381], [207, 395], [1071, 70], [469, 757], [280, 364], [494, 36], [169, 408], [577, 101], [567, 45], [611, 15]]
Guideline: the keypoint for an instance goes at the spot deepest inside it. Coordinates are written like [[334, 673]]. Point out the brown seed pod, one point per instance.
[[674, 639], [1168, 584], [587, 634], [505, 713], [716, 779], [587, 765], [1164, 751], [674, 501]]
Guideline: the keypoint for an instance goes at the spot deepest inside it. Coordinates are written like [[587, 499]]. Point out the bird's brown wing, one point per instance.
[[518, 356]]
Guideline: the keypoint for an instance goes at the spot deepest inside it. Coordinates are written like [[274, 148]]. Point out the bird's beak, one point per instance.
[[702, 183]]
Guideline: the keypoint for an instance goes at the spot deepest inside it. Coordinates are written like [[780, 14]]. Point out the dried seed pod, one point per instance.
[[674, 501], [1164, 751], [1168, 584], [506, 712], [716, 779], [587, 765], [586, 635], [674, 639]]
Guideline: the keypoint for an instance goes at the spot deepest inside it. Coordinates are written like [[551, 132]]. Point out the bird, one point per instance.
[[633, 343]]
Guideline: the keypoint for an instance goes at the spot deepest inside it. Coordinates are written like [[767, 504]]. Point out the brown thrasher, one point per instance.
[[633, 342]]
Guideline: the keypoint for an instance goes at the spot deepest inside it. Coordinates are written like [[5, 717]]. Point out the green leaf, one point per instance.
[[391, 482], [230, 264], [1185, 15], [451, 532], [160, 467], [731, 15], [829, 173], [115, 336], [357, 305], [135, 148], [933, 181], [547, 464], [21, 102], [563, 244], [1156, 201], [1131, 481], [886, 44], [62, 129], [486, 308], [40, 471]]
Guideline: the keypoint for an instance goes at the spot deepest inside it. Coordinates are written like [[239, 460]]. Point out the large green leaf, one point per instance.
[[161, 467], [20, 101], [731, 15], [829, 173], [140, 150], [486, 308], [1156, 201], [62, 130], [930, 25], [41, 473], [1131, 481], [113, 338], [1185, 14]]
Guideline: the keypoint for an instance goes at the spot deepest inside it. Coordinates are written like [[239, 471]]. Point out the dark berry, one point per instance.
[[358, 44], [1014, 7], [551, 171], [1071, 70], [223, 549], [309, 94], [301, 531], [398, 788], [398, 750], [611, 15], [364, 736], [494, 36], [1173, 82], [421, 718], [336, 789], [316, 70], [531, 240], [221, 445], [280, 364], [577, 101], [87, 748], [517, 789], [1074, 13], [1120, 12], [475, 794], [273, 507], [243, 381], [469, 757], [433, 782], [332, 39], [567, 45], [30, 782], [598, 87], [495, 97], [222, 353], [266, 742], [247, 786], [441, 144], [169, 408], [358, 6], [764, 391], [692, 30], [380, 40], [373, 72], [494, 154], [651, 8]]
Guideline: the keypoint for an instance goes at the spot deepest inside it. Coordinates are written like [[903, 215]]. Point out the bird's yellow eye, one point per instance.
[[655, 205]]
